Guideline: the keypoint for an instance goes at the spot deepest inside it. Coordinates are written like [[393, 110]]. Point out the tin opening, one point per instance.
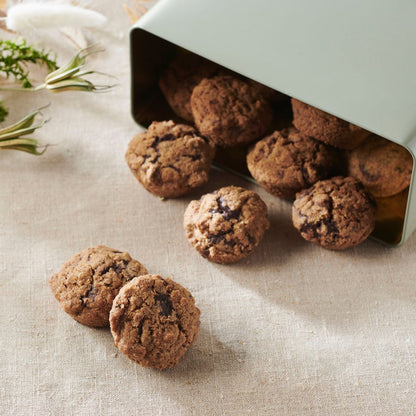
[[149, 58]]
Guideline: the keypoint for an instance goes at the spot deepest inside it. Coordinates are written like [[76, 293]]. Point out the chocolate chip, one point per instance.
[[307, 228], [218, 237], [215, 239], [230, 243], [90, 295], [205, 139], [118, 268], [193, 157], [166, 138], [225, 210], [165, 303], [368, 175], [331, 226], [305, 174], [173, 168], [140, 329]]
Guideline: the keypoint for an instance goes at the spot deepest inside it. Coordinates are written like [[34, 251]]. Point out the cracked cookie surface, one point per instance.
[[87, 284], [180, 78], [384, 167], [326, 127], [154, 321], [288, 161], [226, 225], [336, 213], [170, 159], [229, 111]]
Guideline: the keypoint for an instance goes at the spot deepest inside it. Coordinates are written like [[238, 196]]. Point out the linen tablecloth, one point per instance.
[[294, 329]]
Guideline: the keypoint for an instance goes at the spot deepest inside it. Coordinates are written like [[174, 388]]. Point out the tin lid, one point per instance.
[[354, 59]]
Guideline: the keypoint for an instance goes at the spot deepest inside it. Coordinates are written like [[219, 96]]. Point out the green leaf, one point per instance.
[[21, 124], [15, 57], [27, 148], [10, 137], [20, 132], [62, 75]]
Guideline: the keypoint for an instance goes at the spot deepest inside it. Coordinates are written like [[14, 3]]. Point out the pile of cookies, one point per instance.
[[153, 320], [332, 169]]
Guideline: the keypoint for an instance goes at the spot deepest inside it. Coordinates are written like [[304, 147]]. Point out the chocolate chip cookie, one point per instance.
[[288, 161], [87, 284], [229, 111], [336, 213], [179, 79], [170, 159], [384, 167], [154, 321], [326, 127], [226, 225]]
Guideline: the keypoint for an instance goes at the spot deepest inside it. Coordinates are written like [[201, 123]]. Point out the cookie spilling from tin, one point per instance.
[[170, 160], [336, 213], [226, 225]]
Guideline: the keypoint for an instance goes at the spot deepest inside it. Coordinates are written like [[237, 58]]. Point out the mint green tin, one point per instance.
[[353, 59]]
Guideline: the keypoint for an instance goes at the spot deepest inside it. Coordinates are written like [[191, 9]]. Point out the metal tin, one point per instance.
[[350, 58]]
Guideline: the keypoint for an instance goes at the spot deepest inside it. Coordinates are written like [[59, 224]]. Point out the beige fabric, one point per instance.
[[292, 330]]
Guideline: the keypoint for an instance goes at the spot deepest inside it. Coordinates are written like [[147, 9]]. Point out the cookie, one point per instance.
[[226, 225], [179, 79], [336, 213], [87, 284], [170, 159], [154, 321], [384, 167], [288, 161], [326, 127], [229, 111]]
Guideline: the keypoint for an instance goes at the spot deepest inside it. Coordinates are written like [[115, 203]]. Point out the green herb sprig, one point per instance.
[[11, 137], [69, 77], [15, 57]]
